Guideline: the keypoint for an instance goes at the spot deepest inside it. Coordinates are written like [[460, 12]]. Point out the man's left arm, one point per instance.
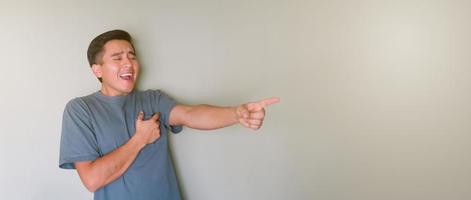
[[208, 117]]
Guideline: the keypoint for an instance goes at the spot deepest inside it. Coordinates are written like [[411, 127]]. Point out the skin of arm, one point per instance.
[[104, 170], [208, 117], [203, 117]]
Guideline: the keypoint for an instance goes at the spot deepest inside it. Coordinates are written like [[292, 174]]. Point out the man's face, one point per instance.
[[119, 68]]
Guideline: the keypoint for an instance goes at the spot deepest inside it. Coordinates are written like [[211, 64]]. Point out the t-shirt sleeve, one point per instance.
[[165, 105], [78, 141]]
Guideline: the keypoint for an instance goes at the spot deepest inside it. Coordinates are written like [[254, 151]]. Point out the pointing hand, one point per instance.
[[251, 115]]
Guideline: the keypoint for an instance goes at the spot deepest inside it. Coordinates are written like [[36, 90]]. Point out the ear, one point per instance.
[[96, 68]]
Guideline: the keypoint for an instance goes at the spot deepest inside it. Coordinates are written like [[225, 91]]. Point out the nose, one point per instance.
[[126, 62]]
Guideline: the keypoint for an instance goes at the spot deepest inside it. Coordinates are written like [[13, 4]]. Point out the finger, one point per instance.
[[255, 122], [243, 112], [254, 107], [257, 115], [254, 127], [244, 123], [140, 116], [266, 102], [156, 116]]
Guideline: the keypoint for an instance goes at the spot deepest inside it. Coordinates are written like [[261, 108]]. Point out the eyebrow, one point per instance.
[[121, 52]]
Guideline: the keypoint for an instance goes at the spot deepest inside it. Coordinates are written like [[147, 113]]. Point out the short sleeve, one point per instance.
[[165, 105], [78, 141]]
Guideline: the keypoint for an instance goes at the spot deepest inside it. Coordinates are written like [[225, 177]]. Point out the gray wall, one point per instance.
[[375, 94]]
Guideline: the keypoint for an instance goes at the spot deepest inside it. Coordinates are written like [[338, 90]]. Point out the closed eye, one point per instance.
[[132, 55]]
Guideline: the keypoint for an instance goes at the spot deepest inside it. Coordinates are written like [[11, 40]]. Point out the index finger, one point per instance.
[[266, 102]]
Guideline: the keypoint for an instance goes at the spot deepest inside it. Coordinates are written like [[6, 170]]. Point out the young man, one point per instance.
[[117, 137]]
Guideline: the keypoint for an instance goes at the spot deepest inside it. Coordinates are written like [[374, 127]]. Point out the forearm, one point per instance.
[[104, 170], [208, 117]]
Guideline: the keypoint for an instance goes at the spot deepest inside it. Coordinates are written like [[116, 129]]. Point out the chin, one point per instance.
[[128, 90], [128, 87]]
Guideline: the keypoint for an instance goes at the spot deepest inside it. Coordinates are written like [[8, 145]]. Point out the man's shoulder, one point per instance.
[[79, 102]]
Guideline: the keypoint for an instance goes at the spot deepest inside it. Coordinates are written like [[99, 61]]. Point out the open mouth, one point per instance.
[[126, 76]]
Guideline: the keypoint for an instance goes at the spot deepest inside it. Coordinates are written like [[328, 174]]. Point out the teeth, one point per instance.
[[128, 74]]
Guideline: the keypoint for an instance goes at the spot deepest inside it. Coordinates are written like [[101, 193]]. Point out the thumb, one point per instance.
[[140, 116]]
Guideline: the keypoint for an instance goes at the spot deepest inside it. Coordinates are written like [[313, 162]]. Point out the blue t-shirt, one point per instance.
[[96, 124]]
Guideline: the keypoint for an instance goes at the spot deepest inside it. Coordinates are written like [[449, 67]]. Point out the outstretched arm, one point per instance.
[[208, 117]]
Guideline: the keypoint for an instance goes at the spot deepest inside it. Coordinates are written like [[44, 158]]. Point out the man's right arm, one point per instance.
[[104, 170]]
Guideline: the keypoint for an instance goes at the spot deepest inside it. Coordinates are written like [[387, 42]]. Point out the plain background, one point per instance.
[[375, 94]]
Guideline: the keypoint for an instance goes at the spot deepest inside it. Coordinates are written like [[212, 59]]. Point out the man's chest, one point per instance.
[[114, 125]]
